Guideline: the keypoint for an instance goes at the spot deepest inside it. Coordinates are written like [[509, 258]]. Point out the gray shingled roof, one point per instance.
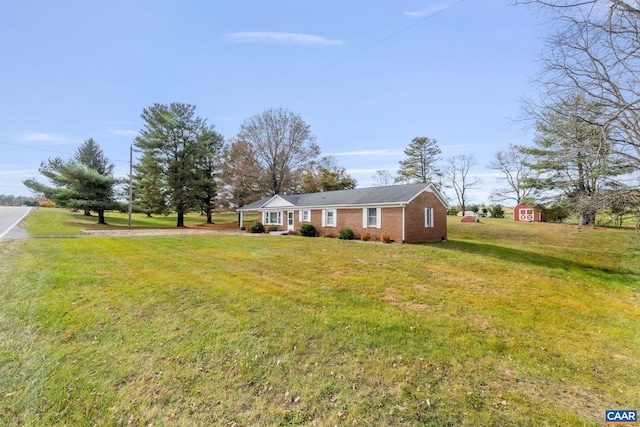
[[358, 196], [255, 205]]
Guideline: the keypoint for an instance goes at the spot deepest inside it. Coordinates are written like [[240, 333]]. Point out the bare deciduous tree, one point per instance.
[[240, 175], [456, 175], [283, 145], [512, 164], [382, 177], [595, 52]]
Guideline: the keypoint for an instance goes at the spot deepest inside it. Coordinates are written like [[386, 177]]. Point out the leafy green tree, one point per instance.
[[76, 186], [325, 175], [420, 165], [496, 211], [173, 143]]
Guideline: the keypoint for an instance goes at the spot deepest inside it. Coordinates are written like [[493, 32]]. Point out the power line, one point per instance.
[[48, 150], [390, 36], [312, 74]]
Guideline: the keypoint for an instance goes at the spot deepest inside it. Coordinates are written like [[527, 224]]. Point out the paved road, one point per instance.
[[10, 217]]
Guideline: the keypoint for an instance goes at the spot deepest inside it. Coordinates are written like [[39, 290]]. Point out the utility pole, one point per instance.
[[130, 183]]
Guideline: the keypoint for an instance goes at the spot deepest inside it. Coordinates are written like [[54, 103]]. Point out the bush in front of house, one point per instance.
[[346, 233], [308, 230], [385, 238], [257, 227]]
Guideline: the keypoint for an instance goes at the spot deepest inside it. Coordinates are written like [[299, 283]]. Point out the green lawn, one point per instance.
[[53, 221], [506, 324]]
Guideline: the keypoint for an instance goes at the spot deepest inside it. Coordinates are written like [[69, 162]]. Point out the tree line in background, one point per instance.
[[11, 200], [185, 165]]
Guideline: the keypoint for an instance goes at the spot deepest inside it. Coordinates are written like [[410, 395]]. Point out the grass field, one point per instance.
[[507, 324], [52, 221]]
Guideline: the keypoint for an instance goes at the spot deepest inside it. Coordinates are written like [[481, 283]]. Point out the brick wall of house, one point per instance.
[[391, 221], [415, 230]]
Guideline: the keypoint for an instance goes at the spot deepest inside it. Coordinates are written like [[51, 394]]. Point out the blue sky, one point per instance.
[[367, 75]]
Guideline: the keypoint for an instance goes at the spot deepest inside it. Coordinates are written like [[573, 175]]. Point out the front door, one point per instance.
[[290, 220]]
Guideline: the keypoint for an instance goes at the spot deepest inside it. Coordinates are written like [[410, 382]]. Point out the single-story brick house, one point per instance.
[[410, 213], [528, 213]]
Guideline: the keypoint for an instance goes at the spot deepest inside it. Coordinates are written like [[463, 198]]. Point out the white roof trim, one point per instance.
[[277, 202]]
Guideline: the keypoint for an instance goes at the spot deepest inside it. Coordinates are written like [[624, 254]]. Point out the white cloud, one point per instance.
[[44, 137], [295, 39], [123, 132], [369, 153], [225, 119], [6, 172], [425, 12]]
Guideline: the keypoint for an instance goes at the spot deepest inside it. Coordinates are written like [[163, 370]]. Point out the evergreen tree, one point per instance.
[[76, 186], [173, 143], [420, 164], [211, 144], [149, 190], [574, 156], [90, 155]]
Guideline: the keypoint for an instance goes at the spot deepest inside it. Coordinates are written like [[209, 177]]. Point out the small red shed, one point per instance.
[[527, 213], [469, 218]]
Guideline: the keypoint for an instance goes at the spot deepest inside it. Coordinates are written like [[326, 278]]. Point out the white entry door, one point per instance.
[[290, 220]]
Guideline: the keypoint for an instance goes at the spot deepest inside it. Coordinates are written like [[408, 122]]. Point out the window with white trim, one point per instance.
[[329, 218], [371, 218], [305, 215], [428, 217], [273, 218]]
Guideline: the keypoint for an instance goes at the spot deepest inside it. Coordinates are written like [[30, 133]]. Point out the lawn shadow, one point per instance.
[[540, 260]]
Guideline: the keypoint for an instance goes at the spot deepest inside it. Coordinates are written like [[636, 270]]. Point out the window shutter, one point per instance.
[[378, 217], [324, 217], [428, 217], [365, 217]]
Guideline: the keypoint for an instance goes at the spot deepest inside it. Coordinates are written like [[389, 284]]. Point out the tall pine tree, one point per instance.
[[84, 183], [420, 164], [173, 142]]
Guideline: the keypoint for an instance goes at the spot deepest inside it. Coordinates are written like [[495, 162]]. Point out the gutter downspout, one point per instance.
[[403, 222]]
